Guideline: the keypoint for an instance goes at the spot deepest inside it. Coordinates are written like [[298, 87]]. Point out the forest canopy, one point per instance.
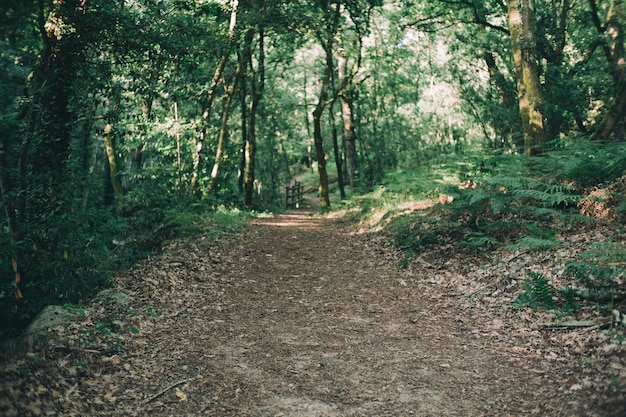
[[117, 115]]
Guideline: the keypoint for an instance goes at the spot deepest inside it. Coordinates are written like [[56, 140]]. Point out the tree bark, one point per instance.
[[349, 136], [615, 115], [109, 145], [321, 156], [6, 189], [257, 85], [223, 136], [522, 27], [498, 79], [613, 122], [338, 162], [210, 97], [318, 140]]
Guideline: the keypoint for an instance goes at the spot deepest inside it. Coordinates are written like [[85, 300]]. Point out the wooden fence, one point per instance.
[[293, 195]]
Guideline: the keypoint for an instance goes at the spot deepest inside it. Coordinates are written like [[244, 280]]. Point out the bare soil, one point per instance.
[[302, 316]]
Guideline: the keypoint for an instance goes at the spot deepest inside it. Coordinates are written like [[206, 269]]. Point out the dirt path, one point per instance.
[[298, 317]]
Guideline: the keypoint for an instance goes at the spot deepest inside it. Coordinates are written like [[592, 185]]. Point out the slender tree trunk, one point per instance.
[[210, 97], [223, 136], [338, 161], [327, 38], [321, 157], [498, 79], [109, 145], [616, 113], [613, 122], [206, 117], [243, 104], [309, 147], [91, 167], [257, 85], [345, 98], [6, 189], [249, 156], [318, 140], [521, 16]]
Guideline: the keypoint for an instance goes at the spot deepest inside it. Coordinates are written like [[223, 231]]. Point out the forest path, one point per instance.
[[298, 316]]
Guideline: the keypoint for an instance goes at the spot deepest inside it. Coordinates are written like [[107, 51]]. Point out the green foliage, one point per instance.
[[534, 244], [413, 233], [600, 268], [595, 164], [521, 202], [422, 106], [571, 300], [537, 292]]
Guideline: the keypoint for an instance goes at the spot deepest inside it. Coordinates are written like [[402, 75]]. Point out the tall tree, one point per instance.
[[614, 51], [257, 85], [522, 27], [326, 36], [220, 152], [345, 93], [209, 98]]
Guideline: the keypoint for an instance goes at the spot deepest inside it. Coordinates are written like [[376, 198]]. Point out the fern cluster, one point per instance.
[[518, 211], [601, 268], [537, 292], [523, 201]]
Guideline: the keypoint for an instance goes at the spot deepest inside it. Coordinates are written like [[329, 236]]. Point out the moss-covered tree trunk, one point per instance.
[[522, 27]]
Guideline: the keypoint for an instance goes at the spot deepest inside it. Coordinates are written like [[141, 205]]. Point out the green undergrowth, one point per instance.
[[517, 203], [68, 264]]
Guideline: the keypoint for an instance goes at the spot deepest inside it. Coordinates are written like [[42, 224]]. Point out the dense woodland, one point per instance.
[[123, 120]]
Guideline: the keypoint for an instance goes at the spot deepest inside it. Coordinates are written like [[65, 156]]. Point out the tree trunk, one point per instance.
[[318, 140], [615, 115], [6, 189], [495, 75], [210, 97], [109, 145], [257, 85], [338, 162], [88, 184], [46, 144], [521, 16], [345, 98], [243, 104], [614, 120], [223, 136], [321, 157]]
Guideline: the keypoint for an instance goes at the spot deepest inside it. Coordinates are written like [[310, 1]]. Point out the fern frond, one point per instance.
[[506, 182], [536, 292], [534, 244], [479, 196], [476, 240], [550, 199]]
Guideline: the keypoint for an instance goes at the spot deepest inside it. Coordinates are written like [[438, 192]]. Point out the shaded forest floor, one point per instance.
[[300, 315]]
